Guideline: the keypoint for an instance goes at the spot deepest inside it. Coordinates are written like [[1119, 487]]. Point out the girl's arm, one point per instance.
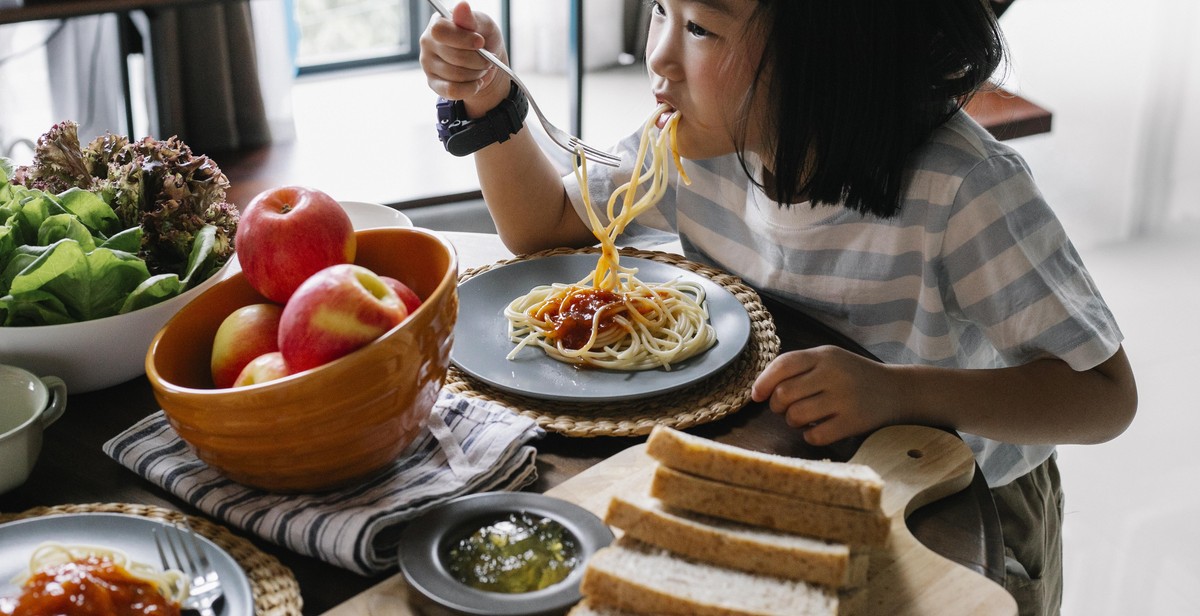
[[526, 197], [832, 394], [520, 185]]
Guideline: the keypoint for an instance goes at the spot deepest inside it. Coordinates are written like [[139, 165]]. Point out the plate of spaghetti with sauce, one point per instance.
[[115, 547], [597, 327], [483, 344]]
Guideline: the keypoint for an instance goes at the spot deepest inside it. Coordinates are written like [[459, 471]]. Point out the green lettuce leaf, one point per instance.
[[65, 227], [33, 308], [128, 240], [91, 210], [11, 196], [153, 290], [29, 214], [8, 244], [203, 261], [83, 230], [91, 285], [6, 172]]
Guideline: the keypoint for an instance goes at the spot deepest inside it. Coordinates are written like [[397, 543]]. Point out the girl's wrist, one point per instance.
[[461, 134], [917, 392], [489, 97]]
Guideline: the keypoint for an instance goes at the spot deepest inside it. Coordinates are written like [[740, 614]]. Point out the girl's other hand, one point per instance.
[[452, 66], [828, 392]]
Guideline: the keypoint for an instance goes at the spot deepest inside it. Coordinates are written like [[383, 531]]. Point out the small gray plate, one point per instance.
[[438, 593], [481, 341], [133, 535]]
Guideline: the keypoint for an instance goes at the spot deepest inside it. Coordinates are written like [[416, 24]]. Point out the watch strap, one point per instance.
[[462, 135]]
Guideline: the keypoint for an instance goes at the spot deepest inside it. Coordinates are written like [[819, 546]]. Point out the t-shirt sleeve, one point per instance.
[[651, 227], [1013, 271]]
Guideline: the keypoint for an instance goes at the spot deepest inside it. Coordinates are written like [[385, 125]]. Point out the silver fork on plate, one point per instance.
[[179, 548], [560, 137]]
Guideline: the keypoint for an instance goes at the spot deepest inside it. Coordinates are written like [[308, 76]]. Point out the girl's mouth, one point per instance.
[[664, 116]]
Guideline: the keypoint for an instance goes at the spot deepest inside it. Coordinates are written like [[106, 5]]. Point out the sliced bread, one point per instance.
[[771, 510], [823, 481], [737, 546], [587, 608], [631, 576]]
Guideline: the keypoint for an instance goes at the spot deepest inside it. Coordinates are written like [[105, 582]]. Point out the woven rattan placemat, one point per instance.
[[719, 395], [276, 592]]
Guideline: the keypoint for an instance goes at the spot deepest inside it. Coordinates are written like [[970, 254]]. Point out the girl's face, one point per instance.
[[702, 63]]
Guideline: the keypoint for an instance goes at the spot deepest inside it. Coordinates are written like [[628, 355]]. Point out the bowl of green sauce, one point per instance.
[[499, 554]]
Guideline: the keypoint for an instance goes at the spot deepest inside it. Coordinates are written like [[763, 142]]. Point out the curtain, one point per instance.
[[85, 75], [274, 44], [79, 76], [59, 70], [23, 73], [218, 75], [202, 69]]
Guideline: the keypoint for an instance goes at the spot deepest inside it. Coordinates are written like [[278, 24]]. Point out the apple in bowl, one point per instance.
[[289, 233], [411, 300], [247, 333], [335, 311], [265, 367], [296, 245], [331, 425]]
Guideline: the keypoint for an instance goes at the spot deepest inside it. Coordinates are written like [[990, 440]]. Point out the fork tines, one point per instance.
[[192, 556], [599, 156], [183, 551]]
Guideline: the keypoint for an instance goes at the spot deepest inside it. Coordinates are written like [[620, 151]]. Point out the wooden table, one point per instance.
[[1007, 115], [73, 469]]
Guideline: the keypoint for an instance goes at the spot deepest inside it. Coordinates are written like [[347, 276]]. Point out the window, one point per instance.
[[335, 34]]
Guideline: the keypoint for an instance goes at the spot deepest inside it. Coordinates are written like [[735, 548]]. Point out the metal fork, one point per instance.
[[560, 137], [187, 555]]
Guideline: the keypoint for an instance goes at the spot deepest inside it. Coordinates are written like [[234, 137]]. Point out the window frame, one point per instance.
[[421, 13]]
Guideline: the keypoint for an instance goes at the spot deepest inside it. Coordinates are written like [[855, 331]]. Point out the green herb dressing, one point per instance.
[[515, 554]]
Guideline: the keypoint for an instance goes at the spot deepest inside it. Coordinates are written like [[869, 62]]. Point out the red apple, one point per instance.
[[411, 300], [290, 233], [337, 310], [265, 367], [246, 333]]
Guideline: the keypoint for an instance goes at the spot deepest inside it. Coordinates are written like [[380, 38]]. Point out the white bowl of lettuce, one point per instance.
[[76, 299]]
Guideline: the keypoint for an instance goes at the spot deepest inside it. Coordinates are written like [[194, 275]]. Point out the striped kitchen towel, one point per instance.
[[467, 446]]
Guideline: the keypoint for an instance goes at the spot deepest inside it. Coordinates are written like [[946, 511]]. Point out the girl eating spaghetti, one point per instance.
[[832, 168]]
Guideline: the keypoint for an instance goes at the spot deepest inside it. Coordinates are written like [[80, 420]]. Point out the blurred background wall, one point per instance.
[[1123, 81]]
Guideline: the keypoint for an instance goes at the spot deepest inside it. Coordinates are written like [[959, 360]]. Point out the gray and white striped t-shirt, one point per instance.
[[975, 271]]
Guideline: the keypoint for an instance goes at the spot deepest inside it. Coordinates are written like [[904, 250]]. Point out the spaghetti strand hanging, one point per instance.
[[610, 319]]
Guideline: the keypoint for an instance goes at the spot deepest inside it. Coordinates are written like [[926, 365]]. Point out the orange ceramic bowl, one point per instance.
[[330, 425]]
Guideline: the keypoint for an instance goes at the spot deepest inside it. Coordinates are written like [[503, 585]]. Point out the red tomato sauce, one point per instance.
[[89, 586], [573, 319]]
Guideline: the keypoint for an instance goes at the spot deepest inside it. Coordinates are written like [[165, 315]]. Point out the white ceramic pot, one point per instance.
[[27, 405]]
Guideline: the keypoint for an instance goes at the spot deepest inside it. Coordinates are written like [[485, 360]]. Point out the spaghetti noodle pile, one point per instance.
[[78, 579], [610, 319]]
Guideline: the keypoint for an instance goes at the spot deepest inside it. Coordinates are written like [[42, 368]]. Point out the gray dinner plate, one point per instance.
[[481, 342], [133, 535]]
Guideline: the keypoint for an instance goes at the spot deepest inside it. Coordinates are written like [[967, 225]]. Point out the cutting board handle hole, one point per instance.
[[915, 453]]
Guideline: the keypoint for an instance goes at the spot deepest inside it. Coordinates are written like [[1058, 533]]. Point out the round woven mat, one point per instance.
[[717, 396], [276, 592]]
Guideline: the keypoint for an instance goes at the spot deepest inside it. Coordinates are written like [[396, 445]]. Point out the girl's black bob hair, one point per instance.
[[856, 85]]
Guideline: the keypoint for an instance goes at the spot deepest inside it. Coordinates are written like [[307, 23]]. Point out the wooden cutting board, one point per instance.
[[919, 465]]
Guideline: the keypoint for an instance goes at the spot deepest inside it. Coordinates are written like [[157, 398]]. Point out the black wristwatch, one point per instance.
[[462, 135]]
